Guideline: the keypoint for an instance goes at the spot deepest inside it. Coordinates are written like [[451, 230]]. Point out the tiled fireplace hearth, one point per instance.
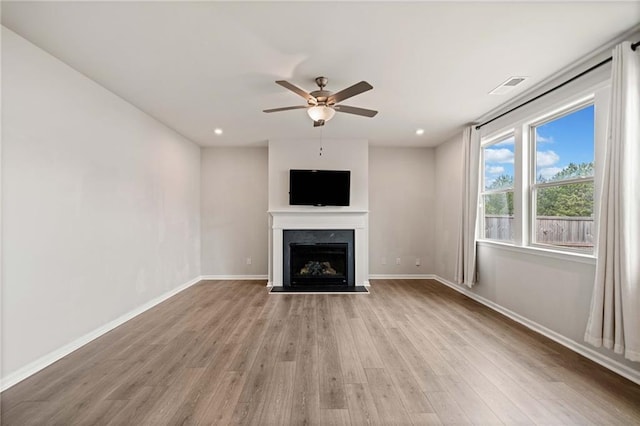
[[314, 246]]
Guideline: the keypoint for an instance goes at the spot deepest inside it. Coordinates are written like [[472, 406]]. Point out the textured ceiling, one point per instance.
[[196, 66]]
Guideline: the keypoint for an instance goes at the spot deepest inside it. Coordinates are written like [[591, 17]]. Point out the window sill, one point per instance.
[[536, 251]]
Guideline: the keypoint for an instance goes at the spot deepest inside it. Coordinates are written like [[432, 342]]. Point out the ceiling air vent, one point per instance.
[[508, 85]]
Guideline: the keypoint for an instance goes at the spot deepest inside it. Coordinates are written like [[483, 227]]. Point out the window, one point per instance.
[[562, 188], [537, 179], [497, 188]]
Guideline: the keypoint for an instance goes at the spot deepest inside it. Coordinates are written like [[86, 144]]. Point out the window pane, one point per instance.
[[564, 146], [498, 216], [564, 215], [498, 164]]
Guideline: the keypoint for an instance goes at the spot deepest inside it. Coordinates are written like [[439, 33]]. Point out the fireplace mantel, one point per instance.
[[319, 218]]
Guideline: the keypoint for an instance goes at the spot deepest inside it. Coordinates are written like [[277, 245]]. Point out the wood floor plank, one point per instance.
[[99, 412], [330, 376], [469, 401], [287, 350], [277, 407], [365, 346], [305, 408], [362, 407], [335, 417], [427, 349], [218, 407], [410, 352], [388, 404], [352, 370], [447, 409], [136, 408], [422, 371], [490, 394], [516, 393], [177, 391], [425, 419], [260, 373], [412, 396]]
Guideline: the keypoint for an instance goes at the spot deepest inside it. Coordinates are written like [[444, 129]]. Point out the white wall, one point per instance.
[[234, 211], [286, 154], [448, 198], [402, 210], [100, 206]]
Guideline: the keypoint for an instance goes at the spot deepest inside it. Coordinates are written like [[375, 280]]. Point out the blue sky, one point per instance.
[[568, 139]]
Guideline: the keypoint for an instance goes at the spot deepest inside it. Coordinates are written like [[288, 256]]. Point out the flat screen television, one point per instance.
[[319, 187]]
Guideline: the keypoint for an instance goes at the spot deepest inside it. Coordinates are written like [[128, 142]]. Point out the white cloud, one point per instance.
[[546, 158], [549, 172], [495, 170], [502, 155], [543, 139]]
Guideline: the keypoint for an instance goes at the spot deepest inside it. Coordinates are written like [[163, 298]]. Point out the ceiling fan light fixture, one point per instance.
[[321, 112]]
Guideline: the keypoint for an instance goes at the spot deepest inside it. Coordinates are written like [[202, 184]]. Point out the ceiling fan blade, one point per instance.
[[355, 110], [318, 123], [296, 89], [356, 89], [286, 108]]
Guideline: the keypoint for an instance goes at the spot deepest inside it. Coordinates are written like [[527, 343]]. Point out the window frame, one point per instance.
[[532, 184]]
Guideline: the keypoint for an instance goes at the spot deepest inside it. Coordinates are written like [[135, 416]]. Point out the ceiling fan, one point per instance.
[[323, 104]]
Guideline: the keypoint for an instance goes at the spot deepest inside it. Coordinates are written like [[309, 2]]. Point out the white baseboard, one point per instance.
[[234, 277], [583, 350], [60, 353], [402, 277]]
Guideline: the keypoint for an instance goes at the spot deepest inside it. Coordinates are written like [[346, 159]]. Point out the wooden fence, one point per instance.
[[559, 231]]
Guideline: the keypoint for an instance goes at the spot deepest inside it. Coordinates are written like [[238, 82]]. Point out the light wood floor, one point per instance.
[[411, 352]]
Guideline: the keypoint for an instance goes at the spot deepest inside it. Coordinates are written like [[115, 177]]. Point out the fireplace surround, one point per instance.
[[353, 221]]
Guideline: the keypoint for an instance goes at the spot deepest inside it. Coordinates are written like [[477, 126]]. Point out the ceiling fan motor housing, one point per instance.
[[321, 96]]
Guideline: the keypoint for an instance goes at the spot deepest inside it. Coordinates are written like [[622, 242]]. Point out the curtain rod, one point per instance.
[[598, 65]]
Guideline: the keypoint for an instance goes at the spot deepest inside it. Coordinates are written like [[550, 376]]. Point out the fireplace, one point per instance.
[[318, 264], [318, 258]]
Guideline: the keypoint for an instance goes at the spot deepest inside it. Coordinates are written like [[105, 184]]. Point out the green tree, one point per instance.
[[500, 203], [574, 200]]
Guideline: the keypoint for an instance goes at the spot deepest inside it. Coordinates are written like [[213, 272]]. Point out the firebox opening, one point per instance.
[[319, 264]]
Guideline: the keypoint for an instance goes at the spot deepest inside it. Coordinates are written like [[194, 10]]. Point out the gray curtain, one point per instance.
[[614, 319], [467, 232]]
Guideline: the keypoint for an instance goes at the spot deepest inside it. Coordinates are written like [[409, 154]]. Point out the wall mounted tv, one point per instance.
[[319, 187]]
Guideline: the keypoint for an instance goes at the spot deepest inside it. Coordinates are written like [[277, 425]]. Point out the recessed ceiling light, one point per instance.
[[218, 131], [420, 132]]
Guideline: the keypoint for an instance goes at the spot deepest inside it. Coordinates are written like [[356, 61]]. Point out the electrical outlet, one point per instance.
[[248, 261], [417, 261], [397, 260], [383, 260]]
